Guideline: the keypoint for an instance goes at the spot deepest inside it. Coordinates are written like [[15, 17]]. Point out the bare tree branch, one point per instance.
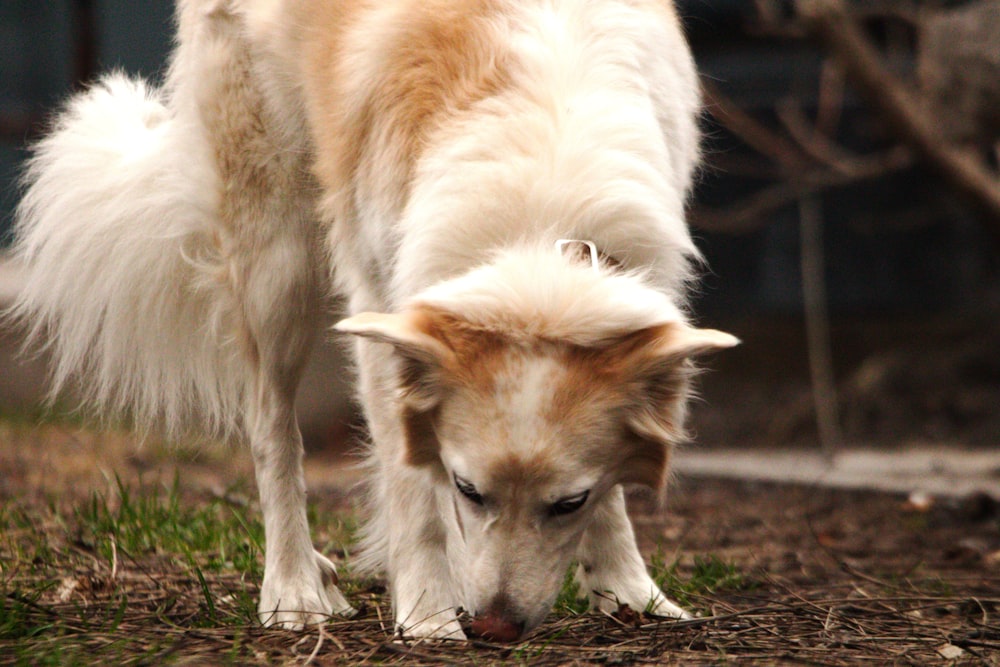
[[752, 213], [754, 134], [831, 22], [807, 160]]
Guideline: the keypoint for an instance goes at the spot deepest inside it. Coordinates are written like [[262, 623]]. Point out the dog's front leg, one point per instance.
[[420, 577], [611, 568]]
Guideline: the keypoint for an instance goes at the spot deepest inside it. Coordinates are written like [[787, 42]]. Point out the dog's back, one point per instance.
[[450, 128]]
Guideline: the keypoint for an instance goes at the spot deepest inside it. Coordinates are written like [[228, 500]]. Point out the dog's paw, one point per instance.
[[440, 626], [663, 607], [312, 597], [293, 605], [639, 593], [649, 600], [424, 606], [427, 620]]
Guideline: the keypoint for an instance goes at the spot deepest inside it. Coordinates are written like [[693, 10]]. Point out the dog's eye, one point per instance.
[[568, 505], [468, 490]]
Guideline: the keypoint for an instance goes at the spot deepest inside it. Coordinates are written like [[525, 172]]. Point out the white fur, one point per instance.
[[116, 233], [173, 240], [576, 149], [537, 294]]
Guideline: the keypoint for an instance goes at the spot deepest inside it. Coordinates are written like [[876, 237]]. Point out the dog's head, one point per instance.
[[531, 396]]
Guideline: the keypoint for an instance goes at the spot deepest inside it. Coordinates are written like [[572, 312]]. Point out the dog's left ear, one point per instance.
[[658, 368]]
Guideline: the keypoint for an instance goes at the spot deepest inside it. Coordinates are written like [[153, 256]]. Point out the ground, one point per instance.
[[111, 553]]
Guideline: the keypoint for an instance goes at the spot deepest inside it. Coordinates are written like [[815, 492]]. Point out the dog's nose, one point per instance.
[[493, 627]]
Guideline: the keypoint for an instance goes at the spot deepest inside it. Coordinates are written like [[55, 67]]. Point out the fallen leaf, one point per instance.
[[950, 652]]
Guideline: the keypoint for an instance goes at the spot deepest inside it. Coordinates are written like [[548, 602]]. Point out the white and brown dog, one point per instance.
[[423, 157]]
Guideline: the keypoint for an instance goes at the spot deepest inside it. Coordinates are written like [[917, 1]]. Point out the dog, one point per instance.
[[496, 189]]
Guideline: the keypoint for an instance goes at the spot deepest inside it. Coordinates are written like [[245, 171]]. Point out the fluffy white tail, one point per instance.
[[126, 285]]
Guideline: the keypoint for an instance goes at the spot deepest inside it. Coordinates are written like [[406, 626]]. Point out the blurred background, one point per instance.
[[849, 211]]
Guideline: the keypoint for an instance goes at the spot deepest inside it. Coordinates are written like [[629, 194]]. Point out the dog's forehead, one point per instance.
[[525, 474], [510, 389], [494, 365], [529, 408], [516, 469], [544, 381]]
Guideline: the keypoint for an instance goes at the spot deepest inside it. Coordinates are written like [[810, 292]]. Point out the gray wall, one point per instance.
[[40, 52]]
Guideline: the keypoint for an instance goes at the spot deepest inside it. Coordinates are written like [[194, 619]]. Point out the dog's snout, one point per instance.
[[501, 622], [494, 627]]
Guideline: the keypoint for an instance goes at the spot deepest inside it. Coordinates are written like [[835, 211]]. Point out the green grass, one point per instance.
[[127, 576], [706, 576], [571, 600], [213, 536], [78, 582]]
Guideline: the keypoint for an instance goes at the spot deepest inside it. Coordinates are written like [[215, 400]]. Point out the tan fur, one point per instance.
[[438, 61], [641, 379]]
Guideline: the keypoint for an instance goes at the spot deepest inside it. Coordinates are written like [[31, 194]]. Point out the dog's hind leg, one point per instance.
[[280, 307], [611, 568], [273, 269], [268, 248]]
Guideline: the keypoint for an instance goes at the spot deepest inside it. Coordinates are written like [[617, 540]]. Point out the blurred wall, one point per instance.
[[47, 48]]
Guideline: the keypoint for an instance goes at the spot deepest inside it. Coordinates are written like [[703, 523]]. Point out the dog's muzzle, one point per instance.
[[493, 627], [499, 623]]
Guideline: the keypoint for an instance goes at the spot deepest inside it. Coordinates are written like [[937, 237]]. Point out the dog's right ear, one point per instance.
[[423, 356]]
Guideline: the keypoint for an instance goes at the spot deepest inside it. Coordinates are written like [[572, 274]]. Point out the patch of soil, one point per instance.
[[825, 577]]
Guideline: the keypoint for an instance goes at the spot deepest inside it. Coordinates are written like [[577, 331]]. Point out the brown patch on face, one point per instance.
[[435, 58], [473, 360], [632, 387], [517, 472], [590, 385], [608, 377], [421, 441], [478, 355]]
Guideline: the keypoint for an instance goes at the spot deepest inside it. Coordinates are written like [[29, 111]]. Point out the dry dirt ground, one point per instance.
[[806, 575]]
